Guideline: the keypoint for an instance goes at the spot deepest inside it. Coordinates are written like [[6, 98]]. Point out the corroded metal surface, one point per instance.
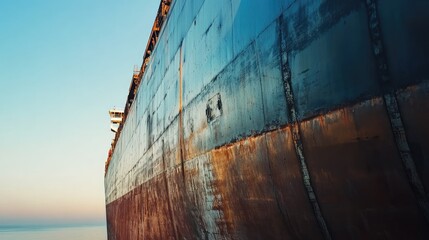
[[277, 120]]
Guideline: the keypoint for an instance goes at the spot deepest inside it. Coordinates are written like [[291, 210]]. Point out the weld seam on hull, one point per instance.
[[282, 211], [393, 111], [296, 133]]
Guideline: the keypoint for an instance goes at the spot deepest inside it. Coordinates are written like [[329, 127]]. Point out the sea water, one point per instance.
[[53, 233]]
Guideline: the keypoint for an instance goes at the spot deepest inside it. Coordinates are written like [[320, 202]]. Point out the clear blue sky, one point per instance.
[[63, 64]]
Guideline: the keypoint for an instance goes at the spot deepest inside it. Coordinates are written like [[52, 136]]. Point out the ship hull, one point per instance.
[[278, 120]]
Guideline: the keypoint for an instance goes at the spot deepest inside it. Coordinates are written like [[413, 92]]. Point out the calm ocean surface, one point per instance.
[[53, 233]]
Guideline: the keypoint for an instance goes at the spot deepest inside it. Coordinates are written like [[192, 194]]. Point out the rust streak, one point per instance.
[[181, 140], [296, 134]]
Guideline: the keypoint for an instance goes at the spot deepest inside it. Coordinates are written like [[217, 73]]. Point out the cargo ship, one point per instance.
[[276, 119]]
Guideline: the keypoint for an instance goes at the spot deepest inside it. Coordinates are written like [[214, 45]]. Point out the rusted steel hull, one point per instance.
[[278, 120]]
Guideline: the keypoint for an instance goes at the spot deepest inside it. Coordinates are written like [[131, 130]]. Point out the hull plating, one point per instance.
[[278, 120]]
